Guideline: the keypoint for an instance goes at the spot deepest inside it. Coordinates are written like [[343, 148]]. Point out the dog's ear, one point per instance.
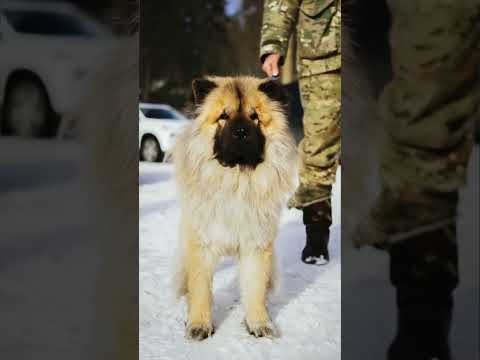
[[275, 91], [201, 88]]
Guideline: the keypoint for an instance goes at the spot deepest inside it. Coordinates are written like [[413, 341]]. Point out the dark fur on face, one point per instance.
[[239, 139], [239, 142]]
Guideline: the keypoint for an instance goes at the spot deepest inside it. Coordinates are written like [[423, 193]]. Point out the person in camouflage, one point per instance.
[[318, 24], [426, 108]]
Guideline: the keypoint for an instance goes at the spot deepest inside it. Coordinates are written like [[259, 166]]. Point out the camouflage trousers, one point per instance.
[[426, 109], [320, 148]]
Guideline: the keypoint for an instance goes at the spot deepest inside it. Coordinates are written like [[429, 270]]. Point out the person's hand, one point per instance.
[[271, 65]]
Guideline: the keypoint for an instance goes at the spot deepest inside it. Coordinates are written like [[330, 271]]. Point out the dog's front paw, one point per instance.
[[261, 329], [199, 331]]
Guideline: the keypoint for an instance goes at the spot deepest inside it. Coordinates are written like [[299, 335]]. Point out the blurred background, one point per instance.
[[50, 50], [51, 223], [182, 40]]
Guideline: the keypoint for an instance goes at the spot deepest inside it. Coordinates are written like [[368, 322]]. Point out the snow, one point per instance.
[[306, 309]]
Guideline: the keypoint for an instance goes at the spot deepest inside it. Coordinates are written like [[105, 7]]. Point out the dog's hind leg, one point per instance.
[[199, 269], [256, 279]]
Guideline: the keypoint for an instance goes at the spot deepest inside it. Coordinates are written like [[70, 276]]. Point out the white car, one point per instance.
[[158, 126], [47, 49]]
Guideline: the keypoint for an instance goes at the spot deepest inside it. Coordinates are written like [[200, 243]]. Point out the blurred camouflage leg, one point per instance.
[[426, 108], [320, 147]]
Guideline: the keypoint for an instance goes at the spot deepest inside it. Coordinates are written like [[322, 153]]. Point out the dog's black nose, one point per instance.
[[240, 133]]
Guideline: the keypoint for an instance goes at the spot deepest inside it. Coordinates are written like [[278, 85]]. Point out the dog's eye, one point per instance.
[[223, 116]]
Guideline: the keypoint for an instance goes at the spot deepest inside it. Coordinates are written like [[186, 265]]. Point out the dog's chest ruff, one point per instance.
[[229, 219], [233, 209]]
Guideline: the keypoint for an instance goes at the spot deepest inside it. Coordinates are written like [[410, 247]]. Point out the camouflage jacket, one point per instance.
[[318, 25]]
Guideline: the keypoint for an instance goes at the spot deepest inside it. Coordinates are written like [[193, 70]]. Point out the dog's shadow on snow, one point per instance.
[[227, 298], [295, 276]]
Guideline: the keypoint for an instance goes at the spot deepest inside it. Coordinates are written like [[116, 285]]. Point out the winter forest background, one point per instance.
[[181, 40]]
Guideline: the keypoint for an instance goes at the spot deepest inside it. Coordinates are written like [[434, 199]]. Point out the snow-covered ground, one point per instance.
[[306, 310]]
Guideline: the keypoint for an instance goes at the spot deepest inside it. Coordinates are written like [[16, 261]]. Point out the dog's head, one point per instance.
[[242, 110]]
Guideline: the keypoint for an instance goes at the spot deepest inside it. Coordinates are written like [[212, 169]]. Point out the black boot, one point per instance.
[[317, 219], [424, 271]]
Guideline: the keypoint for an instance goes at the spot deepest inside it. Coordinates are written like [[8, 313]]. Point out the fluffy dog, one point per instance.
[[235, 168]]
